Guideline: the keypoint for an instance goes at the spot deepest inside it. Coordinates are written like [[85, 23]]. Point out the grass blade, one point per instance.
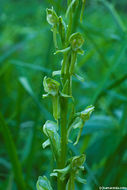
[[30, 66], [12, 152], [114, 64], [26, 85], [115, 15]]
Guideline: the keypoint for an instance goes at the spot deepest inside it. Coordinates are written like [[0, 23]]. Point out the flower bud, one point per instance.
[[52, 17]]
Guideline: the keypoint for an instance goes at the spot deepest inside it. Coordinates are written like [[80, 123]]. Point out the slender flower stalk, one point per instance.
[[59, 131]]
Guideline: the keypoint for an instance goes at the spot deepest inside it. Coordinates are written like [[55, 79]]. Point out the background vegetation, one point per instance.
[[26, 56]]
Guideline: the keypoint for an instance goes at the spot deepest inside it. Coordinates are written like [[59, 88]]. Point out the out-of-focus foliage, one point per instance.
[[26, 56]]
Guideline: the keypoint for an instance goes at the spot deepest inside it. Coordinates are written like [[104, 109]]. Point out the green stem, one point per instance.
[[70, 23], [64, 108], [73, 60], [68, 75], [63, 124], [65, 75], [56, 111], [82, 9], [54, 37], [63, 69], [71, 185]]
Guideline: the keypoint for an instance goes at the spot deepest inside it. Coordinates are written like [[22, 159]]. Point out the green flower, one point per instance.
[[74, 166], [79, 121], [52, 17], [50, 129], [76, 40], [43, 184], [85, 114], [51, 86], [77, 162]]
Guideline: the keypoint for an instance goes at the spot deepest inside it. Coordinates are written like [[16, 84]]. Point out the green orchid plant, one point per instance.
[[58, 132]]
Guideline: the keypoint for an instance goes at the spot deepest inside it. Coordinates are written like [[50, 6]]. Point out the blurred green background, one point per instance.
[[26, 56]]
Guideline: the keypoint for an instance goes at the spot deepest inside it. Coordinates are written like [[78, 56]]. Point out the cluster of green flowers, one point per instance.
[[58, 131]]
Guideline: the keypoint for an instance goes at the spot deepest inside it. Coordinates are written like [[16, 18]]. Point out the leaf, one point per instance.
[[5, 163], [70, 7], [82, 9], [12, 50], [27, 147], [98, 124], [115, 62], [4, 69], [43, 183], [30, 66], [12, 152], [26, 85], [114, 14]]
